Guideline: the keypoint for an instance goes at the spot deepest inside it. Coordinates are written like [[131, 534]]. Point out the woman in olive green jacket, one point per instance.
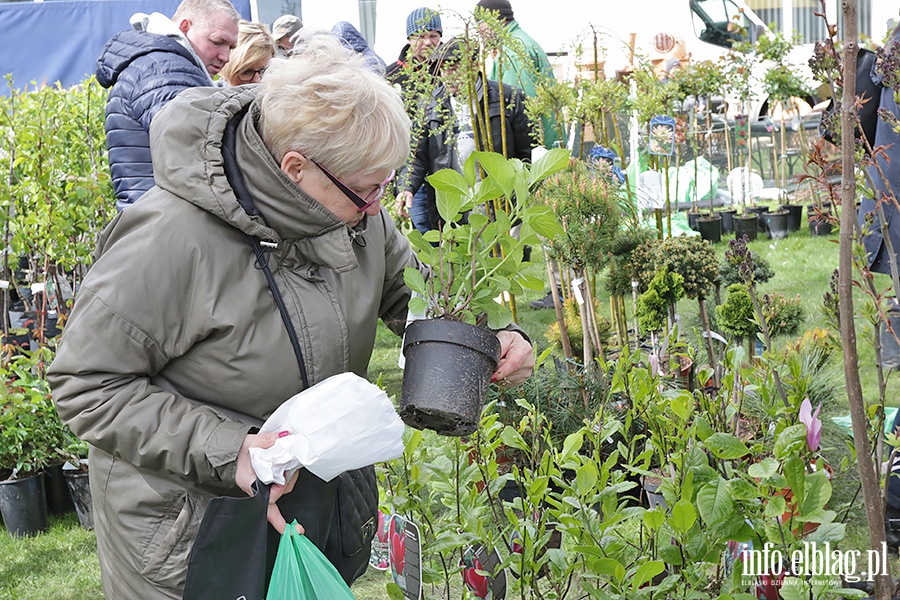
[[175, 350]]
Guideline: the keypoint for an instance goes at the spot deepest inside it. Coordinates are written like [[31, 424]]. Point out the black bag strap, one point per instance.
[[236, 181]]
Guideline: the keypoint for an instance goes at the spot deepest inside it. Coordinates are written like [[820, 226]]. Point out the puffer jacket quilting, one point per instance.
[[144, 71]]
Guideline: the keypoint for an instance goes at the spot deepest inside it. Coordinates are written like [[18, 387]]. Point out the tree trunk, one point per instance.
[[868, 476]]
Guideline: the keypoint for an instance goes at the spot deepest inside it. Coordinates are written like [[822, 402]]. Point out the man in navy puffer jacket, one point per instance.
[[145, 68]]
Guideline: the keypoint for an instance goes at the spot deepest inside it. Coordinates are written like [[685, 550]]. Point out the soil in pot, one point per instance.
[[23, 505], [446, 375], [746, 225], [728, 220], [795, 215], [776, 224], [710, 228]]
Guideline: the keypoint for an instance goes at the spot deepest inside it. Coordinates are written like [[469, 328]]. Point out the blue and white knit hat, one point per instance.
[[423, 19]]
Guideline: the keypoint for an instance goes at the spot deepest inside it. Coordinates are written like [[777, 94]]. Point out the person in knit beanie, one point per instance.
[[501, 7], [412, 74], [525, 65]]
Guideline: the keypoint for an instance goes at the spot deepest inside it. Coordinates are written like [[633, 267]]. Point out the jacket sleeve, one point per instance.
[[103, 376]]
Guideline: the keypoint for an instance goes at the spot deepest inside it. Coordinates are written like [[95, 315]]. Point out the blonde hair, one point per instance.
[[326, 104], [254, 43]]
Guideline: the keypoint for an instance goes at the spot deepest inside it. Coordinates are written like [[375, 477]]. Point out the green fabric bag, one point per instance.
[[303, 573]]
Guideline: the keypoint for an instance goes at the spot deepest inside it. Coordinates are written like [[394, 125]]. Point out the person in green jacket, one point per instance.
[[176, 350], [525, 66]]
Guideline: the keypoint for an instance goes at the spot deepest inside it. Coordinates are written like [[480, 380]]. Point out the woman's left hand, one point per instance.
[[516, 360]]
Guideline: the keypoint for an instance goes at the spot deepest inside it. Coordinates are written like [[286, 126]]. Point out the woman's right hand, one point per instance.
[[246, 476], [404, 203]]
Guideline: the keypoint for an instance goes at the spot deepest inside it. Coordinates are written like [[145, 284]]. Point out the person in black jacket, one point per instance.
[[451, 133], [145, 67]]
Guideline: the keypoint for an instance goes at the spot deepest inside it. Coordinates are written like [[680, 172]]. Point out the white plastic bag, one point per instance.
[[340, 424]]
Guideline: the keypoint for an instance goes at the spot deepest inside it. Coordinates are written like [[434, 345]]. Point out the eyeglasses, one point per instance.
[[248, 75], [361, 203]]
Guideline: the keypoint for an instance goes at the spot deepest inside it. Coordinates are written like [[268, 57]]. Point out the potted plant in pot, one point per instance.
[[451, 353], [30, 433]]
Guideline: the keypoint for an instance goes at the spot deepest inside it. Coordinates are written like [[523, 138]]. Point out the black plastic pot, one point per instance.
[[693, 217], [23, 505], [59, 500], [759, 210], [746, 225], [728, 220], [710, 228], [446, 375], [795, 215], [819, 226], [776, 224], [80, 489]]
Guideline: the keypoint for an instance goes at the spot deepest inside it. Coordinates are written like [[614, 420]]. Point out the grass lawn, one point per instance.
[[63, 563]]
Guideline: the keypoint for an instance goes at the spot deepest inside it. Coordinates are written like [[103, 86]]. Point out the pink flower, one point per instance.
[[813, 424]]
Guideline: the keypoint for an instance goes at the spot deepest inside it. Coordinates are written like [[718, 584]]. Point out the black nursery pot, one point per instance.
[[777, 224], [446, 375], [746, 225], [59, 500], [23, 505], [710, 228], [759, 210], [80, 490], [728, 219], [795, 215]]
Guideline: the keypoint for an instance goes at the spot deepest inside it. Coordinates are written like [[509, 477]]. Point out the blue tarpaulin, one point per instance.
[[55, 41]]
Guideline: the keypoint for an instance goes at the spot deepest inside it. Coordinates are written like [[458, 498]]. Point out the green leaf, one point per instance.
[[544, 222], [715, 503], [683, 516], [775, 507], [764, 469], [794, 588], [417, 305], [702, 427], [654, 518], [553, 162], [414, 280], [818, 493], [586, 479], [790, 441], [726, 445], [646, 572], [449, 205], [499, 170], [795, 473], [572, 444], [609, 567]]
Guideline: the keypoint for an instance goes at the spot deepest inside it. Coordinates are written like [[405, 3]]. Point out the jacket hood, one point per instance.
[[127, 46], [353, 39], [186, 143]]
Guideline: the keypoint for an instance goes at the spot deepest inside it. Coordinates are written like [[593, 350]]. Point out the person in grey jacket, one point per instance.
[[175, 350], [145, 67]]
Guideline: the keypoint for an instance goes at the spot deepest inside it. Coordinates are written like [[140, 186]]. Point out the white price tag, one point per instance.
[[38, 287], [576, 289], [4, 284]]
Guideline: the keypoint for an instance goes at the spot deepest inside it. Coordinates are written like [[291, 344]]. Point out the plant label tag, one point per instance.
[[576, 289], [38, 287], [4, 284], [378, 560], [481, 573], [405, 556]]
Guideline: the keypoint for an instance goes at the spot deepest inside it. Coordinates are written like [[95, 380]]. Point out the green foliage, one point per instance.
[[31, 433], [665, 289], [55, 194], [588, 208], [735, 315], [576, 331], [783, 315], [730, 273], [694, 259], [476, 259], [632, 251]]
